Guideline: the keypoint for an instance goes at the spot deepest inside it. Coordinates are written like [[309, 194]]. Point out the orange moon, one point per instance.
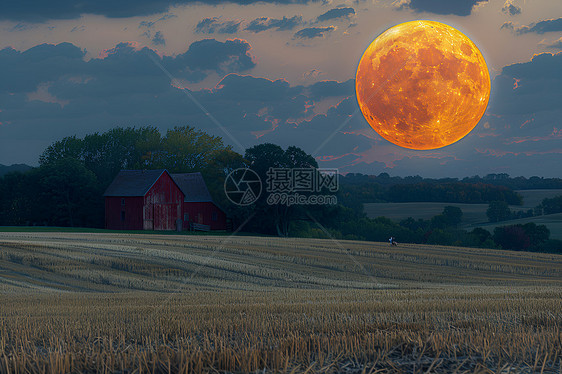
[[422, 85]]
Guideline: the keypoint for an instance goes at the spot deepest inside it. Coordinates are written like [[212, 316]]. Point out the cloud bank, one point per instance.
[[549, 25], [455, 7], [40, 10], [313, 32], [336, 13], [51, 91], [265, 23], [216, 26]]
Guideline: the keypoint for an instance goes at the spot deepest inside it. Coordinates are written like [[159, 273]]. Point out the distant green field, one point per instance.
[[473, 213], [552, 221], [532, 198]]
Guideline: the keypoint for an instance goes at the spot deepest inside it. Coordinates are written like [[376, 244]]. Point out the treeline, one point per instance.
[[502, 179], [440, 230], [5, 169], [357, 190], [67, 188], [457, 192], [499, 210]]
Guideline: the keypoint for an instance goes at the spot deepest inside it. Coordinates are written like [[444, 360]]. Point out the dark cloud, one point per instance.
[[210, 54], [330, 135], [48, 92], [336, 13], [125, 87], [507, 25], [23, 71], [78, 28], [510, 8], [216, 26], [265, 23], [312, 73], [550, 25], [63, 67], [40, 10], [557, 44], [20, 27], [526, 88], [158, 38], [313, 32], [456, 7], [324, 89], [150, 24]]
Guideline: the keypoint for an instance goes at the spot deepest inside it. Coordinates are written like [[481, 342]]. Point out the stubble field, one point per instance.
[[78, 302]]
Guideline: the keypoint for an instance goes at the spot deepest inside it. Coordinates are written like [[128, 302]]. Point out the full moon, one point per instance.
[[422, 85]]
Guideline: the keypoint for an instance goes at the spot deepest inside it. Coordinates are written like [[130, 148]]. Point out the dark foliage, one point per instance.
[[498, 211], [358, 189], [552, 205], [522, 237], [66, 189]]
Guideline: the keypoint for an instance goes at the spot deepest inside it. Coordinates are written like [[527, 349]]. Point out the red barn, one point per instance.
[[143, 200], [157, 200], [198, 205]]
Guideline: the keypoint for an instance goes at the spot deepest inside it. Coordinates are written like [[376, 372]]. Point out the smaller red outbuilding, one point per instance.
[[198, 205]]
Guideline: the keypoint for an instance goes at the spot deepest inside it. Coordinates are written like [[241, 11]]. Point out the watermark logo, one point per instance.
[[285, 186], [243, 186], [290, 180]]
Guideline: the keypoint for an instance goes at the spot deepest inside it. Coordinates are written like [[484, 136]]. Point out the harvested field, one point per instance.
[[76, 302]]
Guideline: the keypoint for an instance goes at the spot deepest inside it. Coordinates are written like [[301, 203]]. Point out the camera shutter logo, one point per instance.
[[243, 186]]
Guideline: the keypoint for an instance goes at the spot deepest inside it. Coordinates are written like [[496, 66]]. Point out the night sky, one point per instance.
[[271, 71]]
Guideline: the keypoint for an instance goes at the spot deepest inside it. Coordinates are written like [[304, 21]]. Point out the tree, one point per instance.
[[453, 215], [552, 205], [537, 234], [276, 218], [108, 153], [498, 211], [512, 237], [185, 149], [16, 199], [481, 234], [68, 194]]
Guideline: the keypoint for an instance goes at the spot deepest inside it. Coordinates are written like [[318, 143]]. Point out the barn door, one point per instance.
[[163, 219], [148, 223]]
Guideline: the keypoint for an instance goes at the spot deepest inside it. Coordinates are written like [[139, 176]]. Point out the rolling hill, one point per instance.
[[474, 215], [4, 169], [107, 262], [110, 302]]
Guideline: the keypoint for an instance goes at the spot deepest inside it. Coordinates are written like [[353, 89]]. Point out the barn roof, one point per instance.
[[193, 187], [133, 182]]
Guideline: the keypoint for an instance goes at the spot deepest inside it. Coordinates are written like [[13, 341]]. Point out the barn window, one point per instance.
[[122, 216], [122, 201], [214, 216], [186, 217]]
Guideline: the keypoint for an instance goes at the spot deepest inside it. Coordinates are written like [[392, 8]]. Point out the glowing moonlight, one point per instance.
[[422, 85]]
